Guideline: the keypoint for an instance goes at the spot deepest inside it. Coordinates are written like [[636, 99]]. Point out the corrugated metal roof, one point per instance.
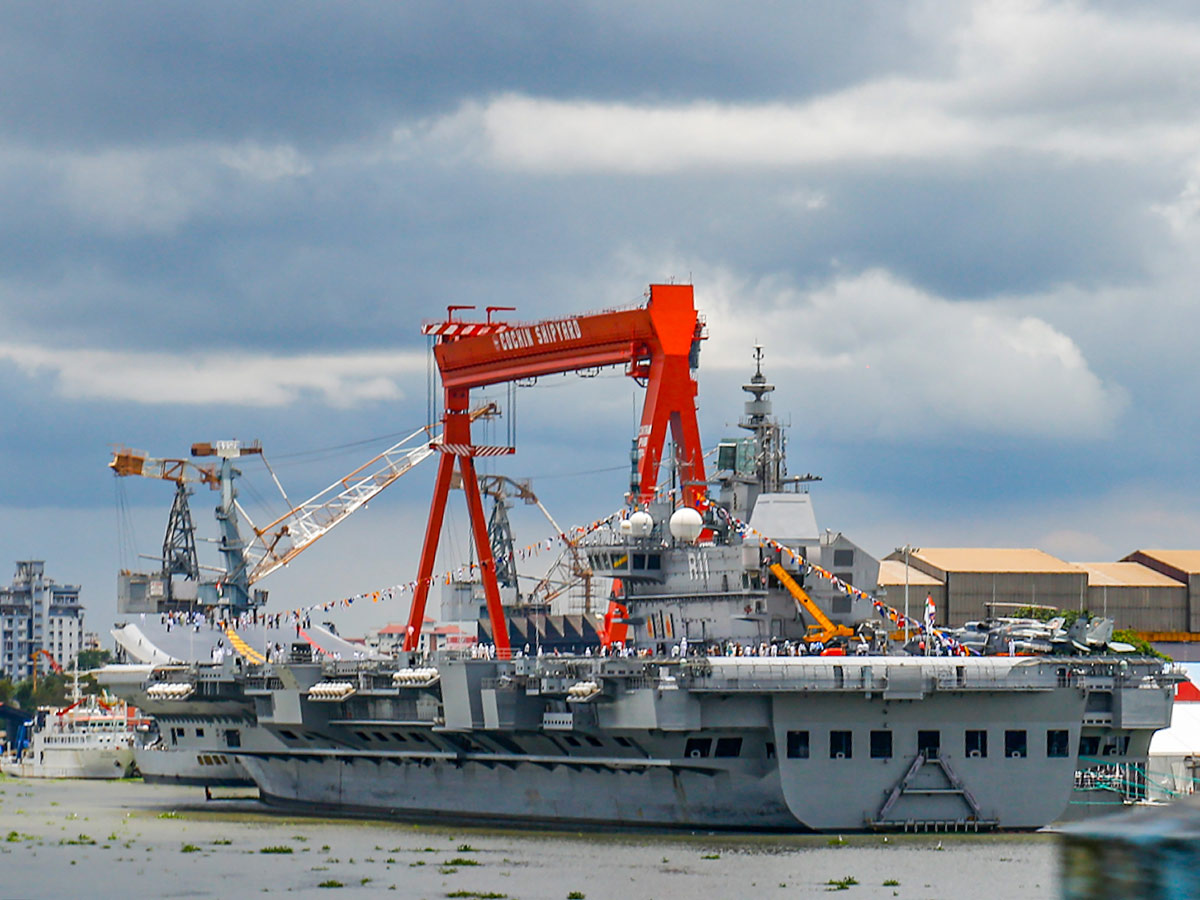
[[1125, 574], [891, 574], [1184, 560], [993, 559]]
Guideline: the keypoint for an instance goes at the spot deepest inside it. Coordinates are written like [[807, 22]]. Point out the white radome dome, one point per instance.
[[686, 525], [640, 523]]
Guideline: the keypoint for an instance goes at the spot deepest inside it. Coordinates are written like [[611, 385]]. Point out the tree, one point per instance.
[[92, 659]]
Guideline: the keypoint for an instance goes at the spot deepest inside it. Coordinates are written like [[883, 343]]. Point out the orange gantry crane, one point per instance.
[[658, 344]]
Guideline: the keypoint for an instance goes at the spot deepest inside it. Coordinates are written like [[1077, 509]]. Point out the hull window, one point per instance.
[[1057, 742], [1015, 744], [881, 745], [929, 743], [976, 744], [697, 748], [729, 746], [797, 745], [840, 745]]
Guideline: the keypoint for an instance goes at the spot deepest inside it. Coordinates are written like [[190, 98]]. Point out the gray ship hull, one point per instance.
[[797, 744]]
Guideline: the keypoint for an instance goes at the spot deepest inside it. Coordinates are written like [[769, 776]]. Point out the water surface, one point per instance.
[[128, 839]]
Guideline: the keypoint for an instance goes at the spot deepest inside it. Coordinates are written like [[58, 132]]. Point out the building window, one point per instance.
[[1057, 742], [1015, 744], [843, 558], [976, 743], [697, 748], [881, 745], [797, 745], [929, 743], [840, 745]]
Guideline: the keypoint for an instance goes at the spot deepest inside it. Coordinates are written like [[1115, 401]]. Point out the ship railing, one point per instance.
[[859, 678]]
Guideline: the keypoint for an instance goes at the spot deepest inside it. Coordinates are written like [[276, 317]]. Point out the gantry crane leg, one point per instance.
[[433, 532]]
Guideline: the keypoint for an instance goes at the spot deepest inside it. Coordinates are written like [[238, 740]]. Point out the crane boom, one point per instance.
[[828, 629], [657, 343], [279, 542], [127, 462]]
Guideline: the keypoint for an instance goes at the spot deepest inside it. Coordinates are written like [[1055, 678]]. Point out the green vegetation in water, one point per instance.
[[82, 840], [465, 848], [841, 884], [837, 841], [278, 848], [419, 862], [330, 883], [478, 895], [891, 882], [222, 842], [576, 895], [460, 861], [189, 848], [170, 815], [711, 856]]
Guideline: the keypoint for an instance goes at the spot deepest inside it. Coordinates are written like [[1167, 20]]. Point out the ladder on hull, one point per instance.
[[973, 821]]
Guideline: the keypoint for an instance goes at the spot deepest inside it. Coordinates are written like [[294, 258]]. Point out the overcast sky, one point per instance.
[[964, 232]]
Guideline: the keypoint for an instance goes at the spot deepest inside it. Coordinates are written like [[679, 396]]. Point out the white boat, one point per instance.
[[93, 737]]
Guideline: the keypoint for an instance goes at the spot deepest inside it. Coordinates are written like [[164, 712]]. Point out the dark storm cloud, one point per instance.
[[114, 72]]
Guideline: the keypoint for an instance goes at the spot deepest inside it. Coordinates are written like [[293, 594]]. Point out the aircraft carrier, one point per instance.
[[749, 677]]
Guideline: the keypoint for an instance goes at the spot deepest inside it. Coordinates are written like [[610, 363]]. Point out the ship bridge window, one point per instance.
[[729, 746], [881, 745], [976, 744], [1016, 744], [697, 747], [639, 560], [654, 561], [840, 745], [1057, 742], [929, 743]]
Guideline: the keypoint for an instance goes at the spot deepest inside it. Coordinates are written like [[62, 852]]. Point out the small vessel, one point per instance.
[[93, 737]]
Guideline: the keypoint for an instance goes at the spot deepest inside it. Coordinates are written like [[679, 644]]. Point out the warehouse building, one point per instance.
[[979, 582], [1136, 596], [1182, 566], [895, 577]]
